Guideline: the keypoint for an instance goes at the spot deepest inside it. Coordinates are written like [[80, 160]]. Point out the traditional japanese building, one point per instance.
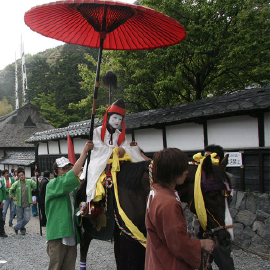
[[15, 128], [239, 122]]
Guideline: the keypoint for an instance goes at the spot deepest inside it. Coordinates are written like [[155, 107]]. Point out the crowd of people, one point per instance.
[[169, 245]]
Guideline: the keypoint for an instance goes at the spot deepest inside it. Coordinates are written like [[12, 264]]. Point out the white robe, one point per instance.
[[100, 156]]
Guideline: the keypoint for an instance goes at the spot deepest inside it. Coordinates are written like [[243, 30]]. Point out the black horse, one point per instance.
[[133, 188], [216, 186]]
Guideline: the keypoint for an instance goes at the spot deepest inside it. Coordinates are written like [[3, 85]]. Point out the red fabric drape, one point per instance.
[[71, 154]]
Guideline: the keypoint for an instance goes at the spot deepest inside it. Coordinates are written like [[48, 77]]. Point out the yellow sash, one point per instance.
[[198, 197], [100, 192]]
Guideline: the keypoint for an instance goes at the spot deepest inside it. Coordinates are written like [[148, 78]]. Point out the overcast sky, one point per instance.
[[13, 29]]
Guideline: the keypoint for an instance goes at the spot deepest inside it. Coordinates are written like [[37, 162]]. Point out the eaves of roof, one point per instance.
[[19, 162], [241, 102]]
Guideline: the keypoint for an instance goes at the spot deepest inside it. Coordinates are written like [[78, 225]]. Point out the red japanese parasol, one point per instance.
[[122, 26], [106, 25]]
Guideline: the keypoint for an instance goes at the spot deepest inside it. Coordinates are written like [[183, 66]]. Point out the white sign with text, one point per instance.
[[235, 159]]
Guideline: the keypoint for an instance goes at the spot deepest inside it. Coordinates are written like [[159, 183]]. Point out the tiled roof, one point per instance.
[[21, 157], [241, 102]]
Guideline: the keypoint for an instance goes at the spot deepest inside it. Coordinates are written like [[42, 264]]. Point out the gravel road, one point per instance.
[[27, 252]]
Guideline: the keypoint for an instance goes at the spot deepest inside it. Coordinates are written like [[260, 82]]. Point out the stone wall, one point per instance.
[[251, 214]]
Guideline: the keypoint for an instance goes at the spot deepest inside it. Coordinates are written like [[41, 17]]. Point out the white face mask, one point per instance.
[[115, 120]]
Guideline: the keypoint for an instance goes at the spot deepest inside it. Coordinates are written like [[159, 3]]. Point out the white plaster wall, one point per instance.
[[187, 136], [27, 172], [78, 145], [2, 166], [267, 129], [53, 147], [63, 147], [234, 132], [1, 154], [149, 140], [42, 149], [128, 138]]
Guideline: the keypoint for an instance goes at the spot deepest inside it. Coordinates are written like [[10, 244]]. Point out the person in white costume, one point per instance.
[[105, 139]]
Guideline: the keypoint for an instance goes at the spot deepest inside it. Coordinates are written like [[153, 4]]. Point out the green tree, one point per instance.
[[39, 78], [54, 87], [84, 106], [226, 49], [5, 107]]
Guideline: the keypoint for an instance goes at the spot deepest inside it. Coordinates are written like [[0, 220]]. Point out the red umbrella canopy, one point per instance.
[[124, 26]]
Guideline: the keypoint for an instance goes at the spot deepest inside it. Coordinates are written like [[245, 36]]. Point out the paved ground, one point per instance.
[[27, 252]]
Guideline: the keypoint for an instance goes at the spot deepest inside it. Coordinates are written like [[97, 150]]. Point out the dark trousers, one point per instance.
[[2, 222], [43, 215]]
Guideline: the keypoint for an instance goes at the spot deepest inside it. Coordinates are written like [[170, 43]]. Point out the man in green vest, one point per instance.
[[6, 183], [61, 233], [21, 191]]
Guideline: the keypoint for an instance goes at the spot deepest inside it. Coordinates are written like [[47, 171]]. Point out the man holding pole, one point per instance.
[[61, 233]]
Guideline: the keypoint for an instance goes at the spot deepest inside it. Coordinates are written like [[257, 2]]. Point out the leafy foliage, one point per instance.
[[5, 107], [226, 49]]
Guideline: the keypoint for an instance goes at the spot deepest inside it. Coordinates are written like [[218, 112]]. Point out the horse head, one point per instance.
[[216, 186]]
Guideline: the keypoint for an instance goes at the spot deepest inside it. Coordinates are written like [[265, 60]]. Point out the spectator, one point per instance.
[[2, 222], [41, 197], [21, 191], [7, 182], [169, 245], [16, 175], [35, 196], [15, 179], [61, 232], [11, 174]]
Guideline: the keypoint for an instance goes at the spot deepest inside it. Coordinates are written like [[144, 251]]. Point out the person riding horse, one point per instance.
[[105, 139]]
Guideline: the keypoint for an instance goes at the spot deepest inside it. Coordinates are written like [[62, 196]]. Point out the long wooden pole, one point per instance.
[[102, 37]]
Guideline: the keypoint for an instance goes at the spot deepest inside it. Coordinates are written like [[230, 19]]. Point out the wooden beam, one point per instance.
[[261, 175], [164, 136], [205, 133], [261, 130]]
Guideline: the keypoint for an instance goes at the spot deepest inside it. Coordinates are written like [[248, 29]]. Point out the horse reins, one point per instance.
[[212, 231]]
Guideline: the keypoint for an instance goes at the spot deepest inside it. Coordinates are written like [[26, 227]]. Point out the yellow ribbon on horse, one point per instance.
[[100, 192], [198, 196]]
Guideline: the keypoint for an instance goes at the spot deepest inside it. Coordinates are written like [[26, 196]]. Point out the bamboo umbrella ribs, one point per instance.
[[122, 26]]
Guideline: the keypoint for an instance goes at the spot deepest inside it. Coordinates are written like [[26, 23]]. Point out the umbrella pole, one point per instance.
[[110, 93], [94, 101]]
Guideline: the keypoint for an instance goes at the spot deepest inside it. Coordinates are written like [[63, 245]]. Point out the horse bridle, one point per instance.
[[211, 232]]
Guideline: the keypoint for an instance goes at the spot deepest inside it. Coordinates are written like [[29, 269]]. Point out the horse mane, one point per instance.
[[215, 172], [221, 176], [134, 172]]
